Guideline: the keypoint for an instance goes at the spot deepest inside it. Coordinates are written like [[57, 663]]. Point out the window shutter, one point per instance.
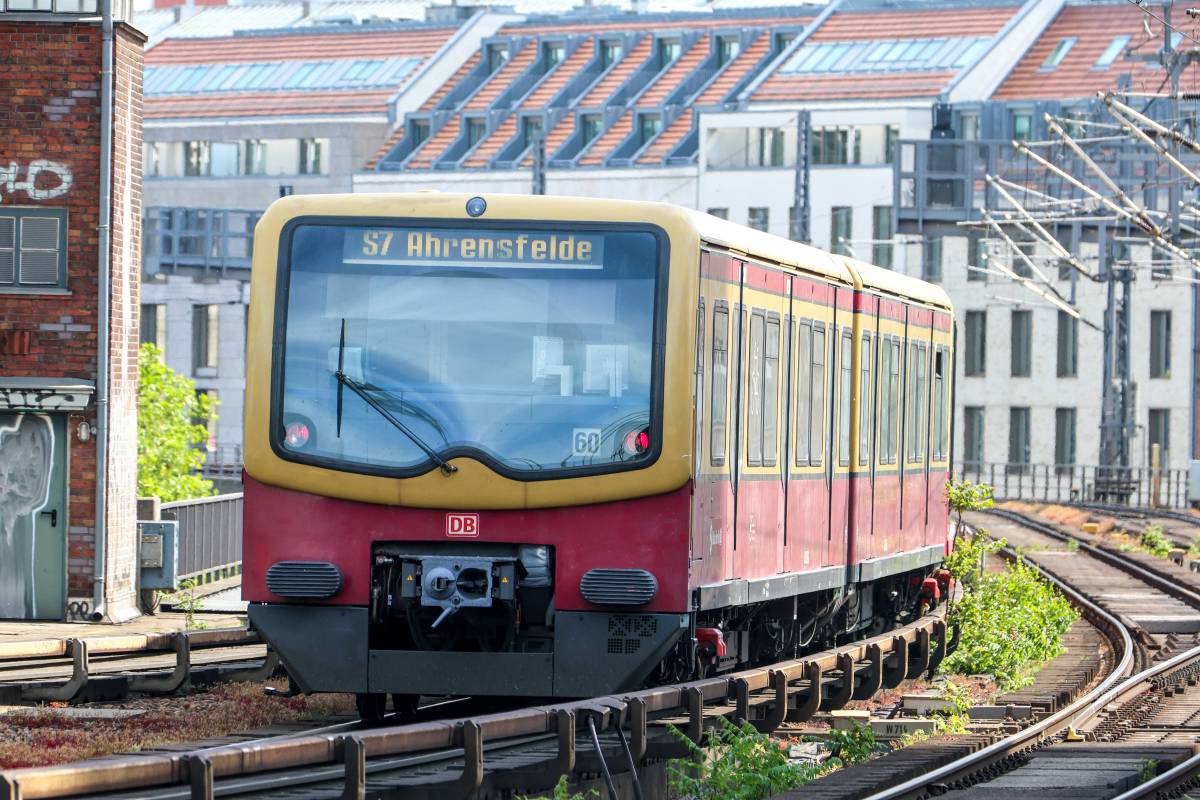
[[39, 250], [8, 256]]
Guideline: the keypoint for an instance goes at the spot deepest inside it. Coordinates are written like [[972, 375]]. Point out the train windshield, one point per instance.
[[530, 349]]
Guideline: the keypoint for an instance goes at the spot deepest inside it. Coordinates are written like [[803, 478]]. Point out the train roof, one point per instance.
[[769, 247]]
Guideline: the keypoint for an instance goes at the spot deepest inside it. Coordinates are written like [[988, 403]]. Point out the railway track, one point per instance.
[[525, 749], [113, 667], [1142, 718]]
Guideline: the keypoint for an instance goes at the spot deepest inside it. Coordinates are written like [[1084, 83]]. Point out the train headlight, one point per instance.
[[295, 435]]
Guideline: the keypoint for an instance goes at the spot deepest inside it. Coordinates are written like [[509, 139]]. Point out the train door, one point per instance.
[[841, 372], [760, 498], [712, 528], [807, 489]]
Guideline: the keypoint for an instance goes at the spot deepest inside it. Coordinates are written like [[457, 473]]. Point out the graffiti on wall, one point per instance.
[[26, 462], [40, 180], [43, 399]]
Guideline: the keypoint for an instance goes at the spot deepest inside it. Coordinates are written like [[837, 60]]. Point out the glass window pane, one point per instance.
[[803, 391], [866, 397], [817, 419], [771, 395], [720, 385], [754, 425], [847, 375]]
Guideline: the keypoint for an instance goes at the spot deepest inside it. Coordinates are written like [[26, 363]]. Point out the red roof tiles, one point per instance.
[[863, 86], [445, 88], [666, 141], [555, 138], [854, 26], [298, 47], [502, 78], [261, 104], [735, 70], [618, 74], [435, 145], [669, 80], [491, 145], [1095, 27], [558, 77]]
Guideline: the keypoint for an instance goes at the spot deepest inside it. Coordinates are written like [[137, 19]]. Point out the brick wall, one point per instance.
[[50, 111]]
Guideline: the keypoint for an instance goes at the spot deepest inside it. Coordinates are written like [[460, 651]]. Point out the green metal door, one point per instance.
[[33, 525]]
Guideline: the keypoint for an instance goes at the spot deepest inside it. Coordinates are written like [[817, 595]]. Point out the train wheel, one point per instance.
[[406, 705], [371, 707]]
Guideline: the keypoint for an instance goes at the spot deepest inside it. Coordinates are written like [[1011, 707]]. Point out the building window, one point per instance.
[[312, 156], [881, 233], [1018, 438], [1022, 343], [1160, 344], [1058, 54], [668, 51], [1068, 345], [610, 53], [154, 325], [973, 435], [553, 52], [195, 159], [1064, 439], [210, 422], [255, 157], [1021, 124], [531, 127], [420, 132], [476, 130], [979, 253], [891, 139], [840, 229], [204, 338], [223, 160], [1021, 265], [497, 54], [720, 213], [591, 127], [151, 156], [1114, 49], [758, 217], [968, 125], [975, 361], [33, 248], [833, 146], [932, 268], [648, 127], [1159, 433], [727, 49]]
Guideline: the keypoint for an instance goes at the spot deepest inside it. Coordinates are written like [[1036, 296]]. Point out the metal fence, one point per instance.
[[1064, 483], [210, 534]]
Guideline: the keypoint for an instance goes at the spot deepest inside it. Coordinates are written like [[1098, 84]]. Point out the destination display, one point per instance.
[[510, 249]]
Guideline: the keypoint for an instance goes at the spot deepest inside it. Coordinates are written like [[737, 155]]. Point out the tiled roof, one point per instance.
[[290, 72], [595, 153], [881, 54], [661, 147], [618, 74], [1095, 27], [502, 78], [723, 84], [669, 80], [445, 88], [432, 147], [556, 138]]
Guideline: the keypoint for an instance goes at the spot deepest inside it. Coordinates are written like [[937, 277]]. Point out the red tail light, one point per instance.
[[637, 442], [295, 435]]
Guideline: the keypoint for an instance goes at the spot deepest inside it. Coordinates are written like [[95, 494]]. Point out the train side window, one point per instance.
[[770, 446], [803, 390], [847, 374], [866, 396], [754, 405], [698, 432], [718, 433], [816, 438], [910, 395], [892, 405], [939, 404], [922, 394]]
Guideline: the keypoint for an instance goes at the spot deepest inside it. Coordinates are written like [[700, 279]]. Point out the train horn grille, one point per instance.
[[310, 579], [618, 587]]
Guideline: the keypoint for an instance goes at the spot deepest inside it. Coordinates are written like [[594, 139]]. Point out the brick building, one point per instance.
[[70, 254]]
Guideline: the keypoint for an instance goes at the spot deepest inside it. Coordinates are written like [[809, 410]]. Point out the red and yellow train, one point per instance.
[[558, 447]]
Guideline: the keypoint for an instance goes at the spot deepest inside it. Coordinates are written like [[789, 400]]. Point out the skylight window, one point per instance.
[[1058, 53], [1114, 49], [286, 75], [892, 55]]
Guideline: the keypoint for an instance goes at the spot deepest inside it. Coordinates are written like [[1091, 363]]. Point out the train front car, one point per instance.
[[467, 442]]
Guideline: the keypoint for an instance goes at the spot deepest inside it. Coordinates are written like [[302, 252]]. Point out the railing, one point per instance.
[[1065, 483], [210, 534], [223, 462], [206, 239]]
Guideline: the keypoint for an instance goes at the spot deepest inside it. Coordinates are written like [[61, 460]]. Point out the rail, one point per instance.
[[765, 696], [210, 534], [1072, 483]]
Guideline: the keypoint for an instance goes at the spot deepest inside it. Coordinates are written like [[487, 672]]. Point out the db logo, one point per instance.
[[462, 524]]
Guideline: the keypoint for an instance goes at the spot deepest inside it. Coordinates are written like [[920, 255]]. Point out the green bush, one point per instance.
[[736, 763], [852, 746], [1154, 542], [1010, 620], [172, 424]]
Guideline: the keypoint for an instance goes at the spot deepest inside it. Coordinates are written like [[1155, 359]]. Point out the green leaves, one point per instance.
[[736, 763], [1154, 542], [1009, 620], [172, 425], [966, 496]]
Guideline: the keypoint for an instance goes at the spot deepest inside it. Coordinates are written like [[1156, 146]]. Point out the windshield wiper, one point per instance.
[[359, 389]]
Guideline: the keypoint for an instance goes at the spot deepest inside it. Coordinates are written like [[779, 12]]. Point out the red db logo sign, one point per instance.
[[462, 524]]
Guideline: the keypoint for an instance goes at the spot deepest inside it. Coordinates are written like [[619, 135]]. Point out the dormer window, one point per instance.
[[610, 53], [1114, 49], [553, 53], [497, 54], [668, 51], [727, 49]]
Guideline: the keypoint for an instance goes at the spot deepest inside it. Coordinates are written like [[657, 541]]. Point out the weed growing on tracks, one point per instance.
[[187, 602], [40, 737], [853, 746], [1147, 769], [736, 763], [1154, 542], [1009, 620], [562, 791]]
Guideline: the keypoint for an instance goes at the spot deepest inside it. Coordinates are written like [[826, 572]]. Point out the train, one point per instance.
[[558, 447]]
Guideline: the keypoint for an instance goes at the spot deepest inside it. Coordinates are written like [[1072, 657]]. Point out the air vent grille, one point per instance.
[[618, 587], [307, 579]]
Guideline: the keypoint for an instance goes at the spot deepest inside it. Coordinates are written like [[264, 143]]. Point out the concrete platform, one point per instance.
[[163, 622]]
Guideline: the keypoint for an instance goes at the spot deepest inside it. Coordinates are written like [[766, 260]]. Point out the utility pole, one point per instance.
[[539, 162], [800, 196]]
